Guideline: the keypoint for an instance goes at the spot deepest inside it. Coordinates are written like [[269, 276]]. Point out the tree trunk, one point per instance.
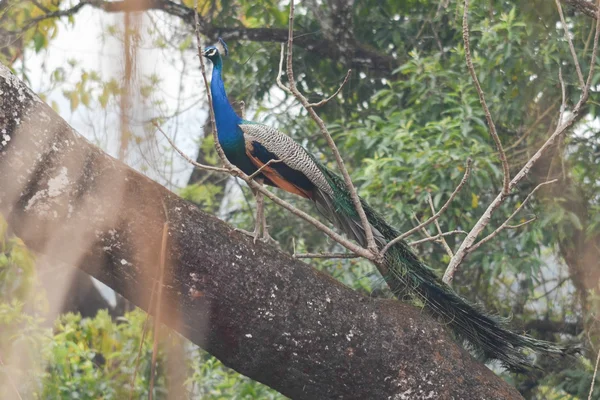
[[270, 317]]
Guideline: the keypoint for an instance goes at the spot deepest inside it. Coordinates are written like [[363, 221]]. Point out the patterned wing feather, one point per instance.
[[294, 157], [279, 173]]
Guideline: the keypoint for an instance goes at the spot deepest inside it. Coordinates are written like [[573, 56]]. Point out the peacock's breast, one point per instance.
[[235, 152]]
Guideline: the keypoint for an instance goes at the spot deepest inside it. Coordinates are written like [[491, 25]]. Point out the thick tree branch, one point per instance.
[[262, 313]]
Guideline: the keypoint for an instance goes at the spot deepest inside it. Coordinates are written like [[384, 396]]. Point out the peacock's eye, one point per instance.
[[211, 52]]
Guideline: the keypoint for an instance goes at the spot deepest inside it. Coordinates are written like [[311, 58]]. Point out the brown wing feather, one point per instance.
[[274, 176]]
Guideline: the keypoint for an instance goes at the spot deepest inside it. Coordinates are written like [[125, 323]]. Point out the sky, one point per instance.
[[88, 44]]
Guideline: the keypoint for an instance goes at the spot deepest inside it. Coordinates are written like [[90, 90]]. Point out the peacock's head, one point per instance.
[[213, 53]]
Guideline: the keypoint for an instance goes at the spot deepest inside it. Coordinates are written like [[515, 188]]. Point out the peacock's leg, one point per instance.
[[261, 231], [261, 218], [259, 222], [266, 237]]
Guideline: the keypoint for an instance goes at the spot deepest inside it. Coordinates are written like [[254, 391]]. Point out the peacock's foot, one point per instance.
[[266, 238], [254, 235], [263, 237]]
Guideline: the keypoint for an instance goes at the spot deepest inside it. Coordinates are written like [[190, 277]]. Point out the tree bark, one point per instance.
[[270, 317]]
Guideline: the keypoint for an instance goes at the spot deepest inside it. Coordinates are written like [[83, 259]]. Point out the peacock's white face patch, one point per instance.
[[210, 52]]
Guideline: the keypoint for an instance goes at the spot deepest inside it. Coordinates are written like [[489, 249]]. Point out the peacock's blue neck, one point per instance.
[[227, 120]]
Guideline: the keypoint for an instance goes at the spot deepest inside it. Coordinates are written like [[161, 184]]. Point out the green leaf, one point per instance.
[[39, 41]]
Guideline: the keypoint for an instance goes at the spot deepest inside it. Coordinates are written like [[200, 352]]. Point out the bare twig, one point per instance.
[[439, 229], [324, 255], [12, 383], [185, 156], [163, 258], [532, 127], [588, 83], [561, 128], [258, 171], [438, 236], [488, 116], [423, 229], [279, 83], [521, 224], [596, 367], [570, 40], [325, 101], [563, 95], [340, 163], [505, 223], [436, 215], [316, 223]]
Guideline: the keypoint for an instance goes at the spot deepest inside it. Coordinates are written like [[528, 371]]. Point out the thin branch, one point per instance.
[[588, 83], [55, 14], [505, 223], [563, 94], [570, 40], [324, 255], [423, 229], [185, 156], [313, 221], [532, 127], [436, 215], [278, 80], [163, 260], [561, 128], [340, 163], [41, 6], [488, 116], [547, 292], [438, 236], [325, 101], [439, 229], [521, 224], [595, 368], [258, 171]]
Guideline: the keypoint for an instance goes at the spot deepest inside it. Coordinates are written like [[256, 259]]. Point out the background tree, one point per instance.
[[409, 106]]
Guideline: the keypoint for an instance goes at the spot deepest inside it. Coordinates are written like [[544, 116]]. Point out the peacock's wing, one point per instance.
[[291, 168], [299, 173]]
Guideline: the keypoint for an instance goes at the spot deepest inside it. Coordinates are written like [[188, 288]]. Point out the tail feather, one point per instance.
[[487, 336]]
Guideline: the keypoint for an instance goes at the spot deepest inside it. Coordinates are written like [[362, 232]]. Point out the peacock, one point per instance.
[[287, 165]]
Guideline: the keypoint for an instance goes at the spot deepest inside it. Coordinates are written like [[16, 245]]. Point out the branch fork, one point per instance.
[[469, 245]]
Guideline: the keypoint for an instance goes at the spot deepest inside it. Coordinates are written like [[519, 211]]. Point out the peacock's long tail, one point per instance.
[[487, 336]]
